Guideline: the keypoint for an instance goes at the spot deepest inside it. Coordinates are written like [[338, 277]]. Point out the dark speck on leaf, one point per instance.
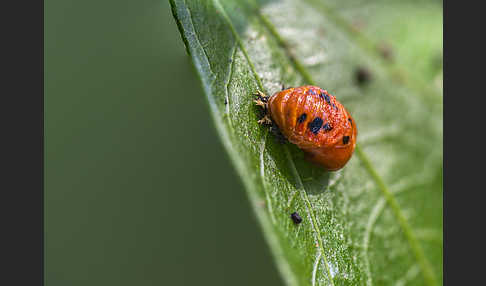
[[345, 139], [296, 218], [302, 118], [362, 75], [315, 125]]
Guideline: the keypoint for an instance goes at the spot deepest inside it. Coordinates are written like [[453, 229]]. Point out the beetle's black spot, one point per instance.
[[302, 118], [311, 91], [325, 97], [345, 139], [327, 127], [315, 125], [296, 218]]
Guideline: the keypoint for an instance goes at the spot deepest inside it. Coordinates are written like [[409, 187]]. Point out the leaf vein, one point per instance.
[[310, 211], [240, 43], [409, 234], [262, 175], [196, 36], [375, 213], [228, 81], [314, 270]]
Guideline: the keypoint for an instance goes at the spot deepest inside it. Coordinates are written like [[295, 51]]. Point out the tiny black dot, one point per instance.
[[302, 118], [345, 139], [296, 218], [315, 125], [363, 75]]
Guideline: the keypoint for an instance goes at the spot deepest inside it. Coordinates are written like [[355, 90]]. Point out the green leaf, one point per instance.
[[377, 221]]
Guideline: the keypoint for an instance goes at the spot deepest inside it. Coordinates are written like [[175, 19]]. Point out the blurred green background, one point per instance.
[[138, 187]]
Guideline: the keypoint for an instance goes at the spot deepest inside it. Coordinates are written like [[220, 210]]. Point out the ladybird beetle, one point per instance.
[[315, 121]]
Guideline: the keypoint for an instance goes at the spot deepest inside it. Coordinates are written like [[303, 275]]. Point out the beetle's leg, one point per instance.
[[265, 120]]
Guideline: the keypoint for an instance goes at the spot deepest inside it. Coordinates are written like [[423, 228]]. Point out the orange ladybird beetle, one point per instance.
[[315, 121]]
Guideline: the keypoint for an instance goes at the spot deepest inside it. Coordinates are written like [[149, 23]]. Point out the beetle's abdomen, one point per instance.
[[316, 122]]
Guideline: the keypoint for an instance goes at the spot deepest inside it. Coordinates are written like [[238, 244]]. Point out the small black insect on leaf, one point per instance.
[[296, 218]]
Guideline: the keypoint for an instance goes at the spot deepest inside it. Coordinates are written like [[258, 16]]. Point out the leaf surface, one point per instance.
[[377, 221]]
